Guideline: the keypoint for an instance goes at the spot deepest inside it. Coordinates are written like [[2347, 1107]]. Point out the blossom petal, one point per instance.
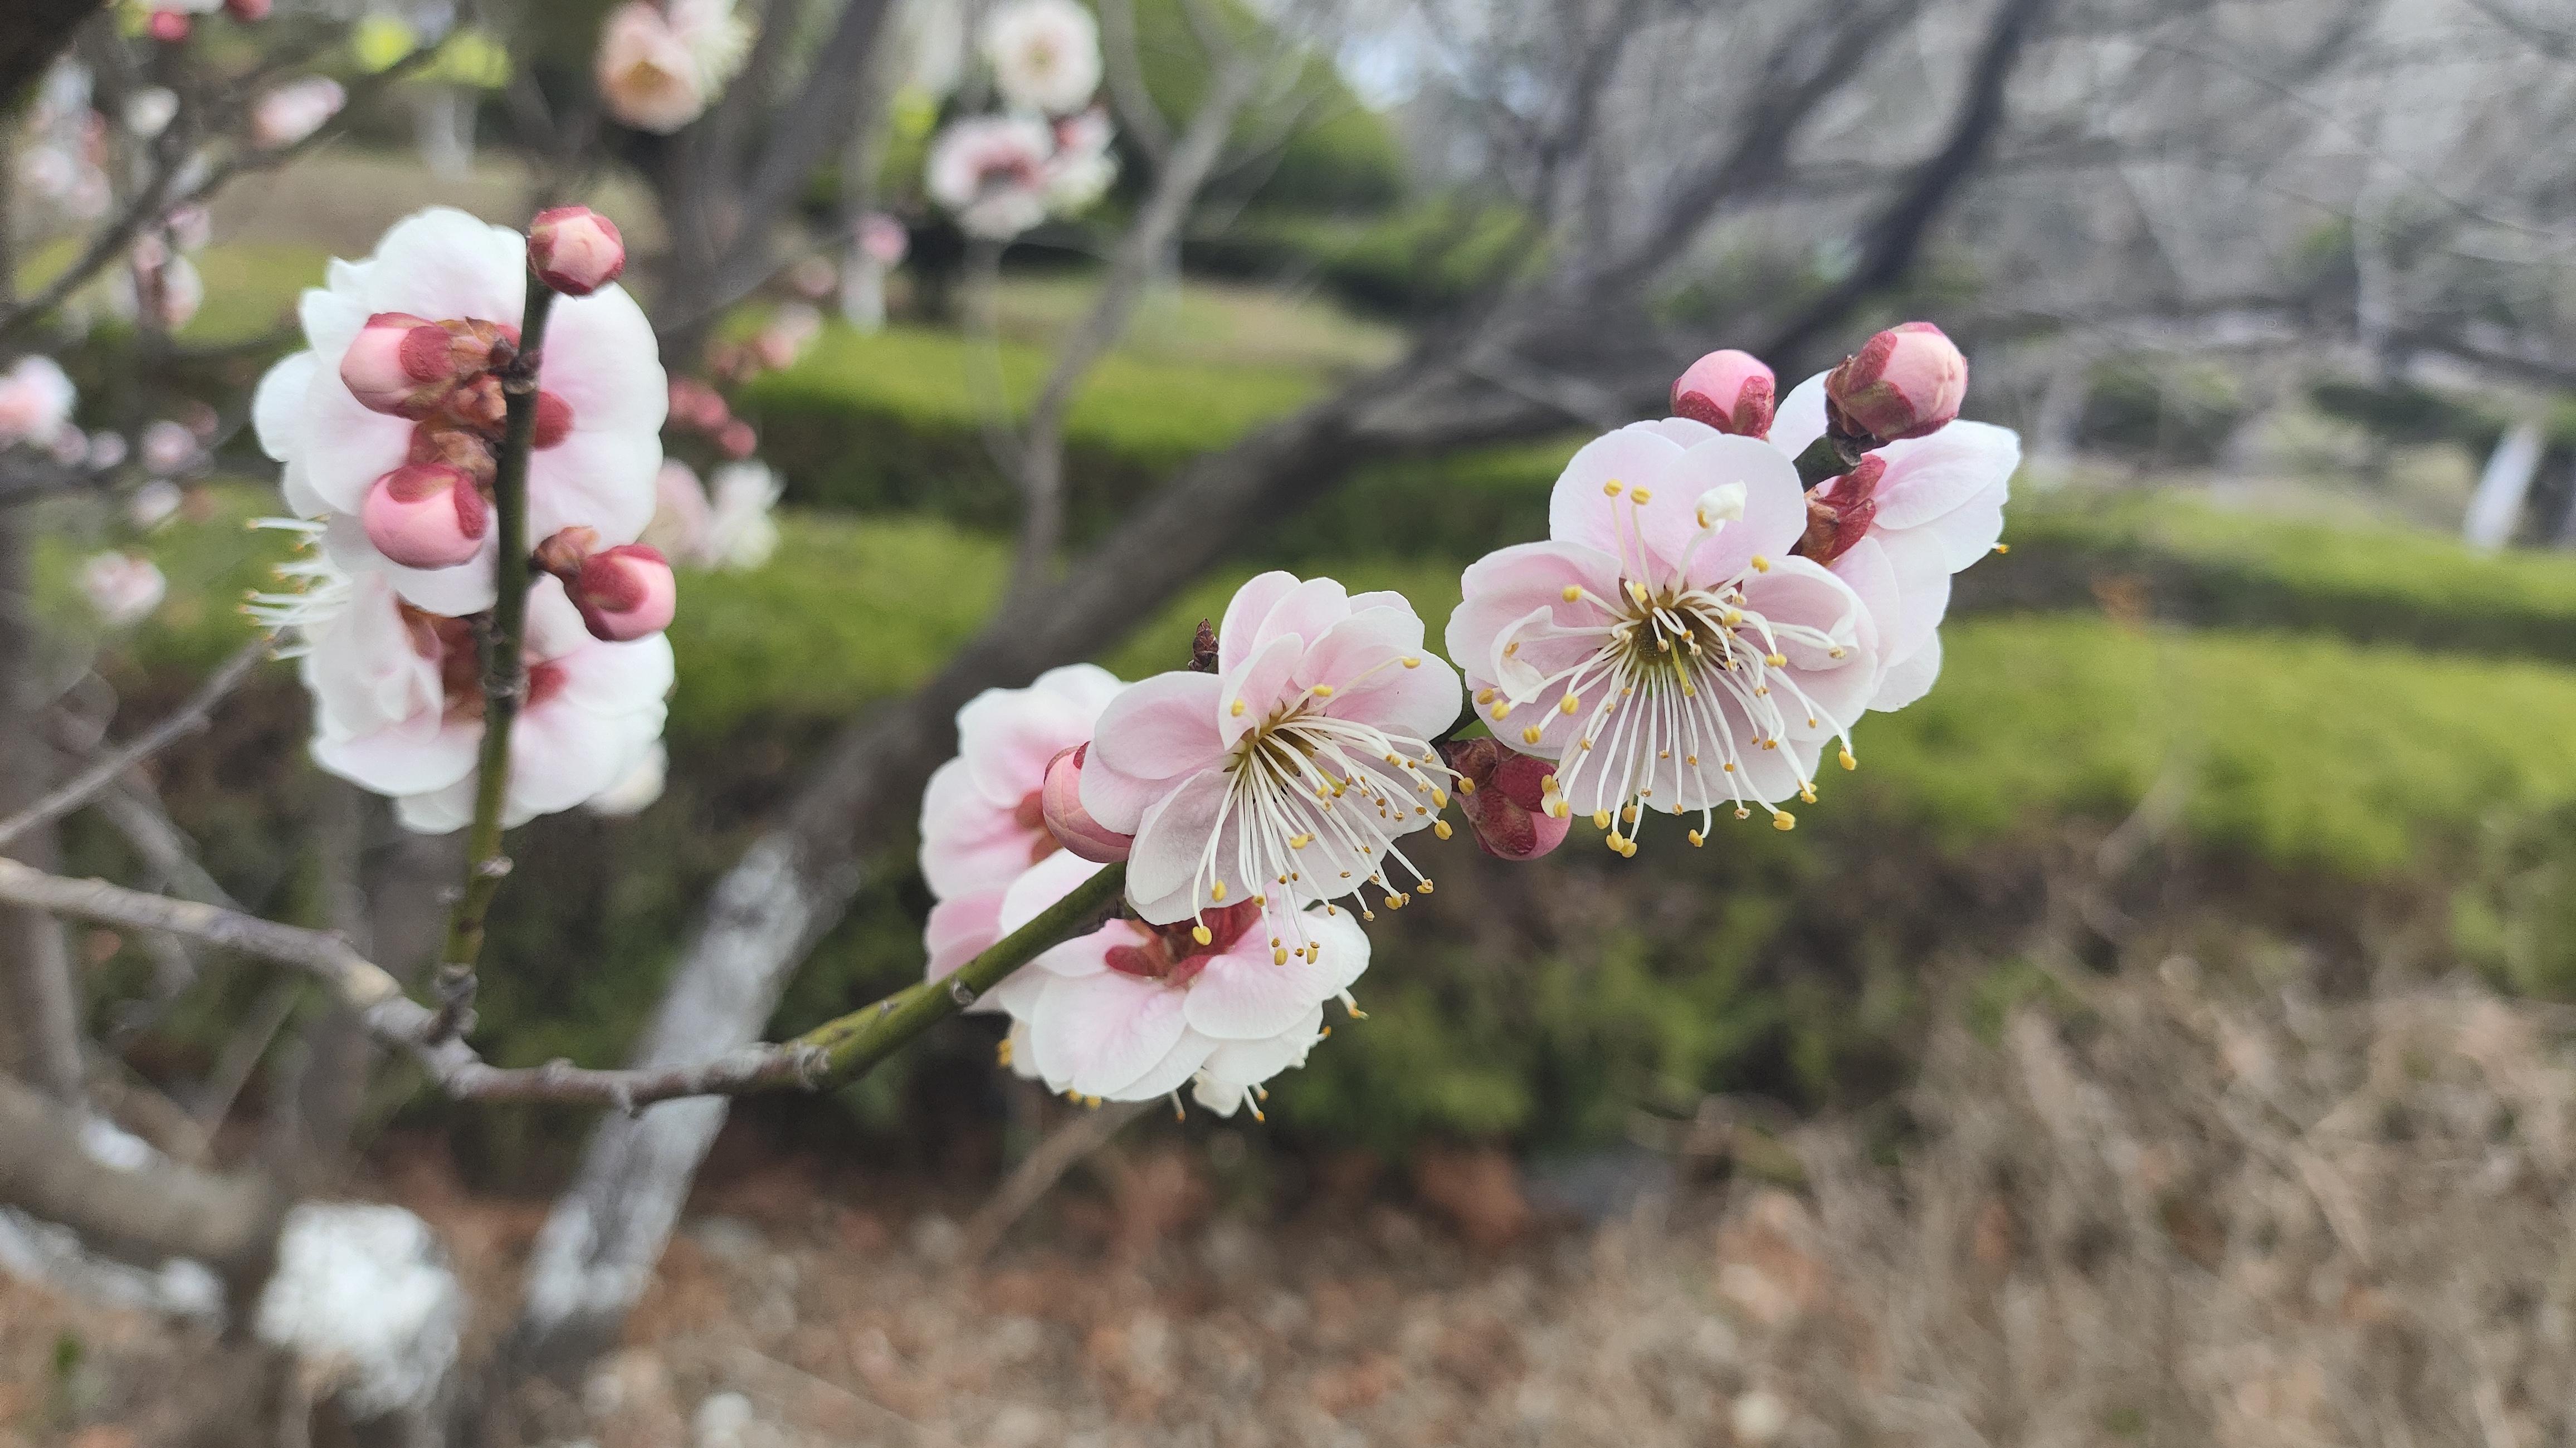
[[1241, 996], [1173, 843], [1096, 1034], [1163, 727], [1258, 687], [1251, 604], [1800, 418]]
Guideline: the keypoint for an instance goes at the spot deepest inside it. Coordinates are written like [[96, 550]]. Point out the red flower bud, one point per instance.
[[1907, 381], [1730, 391], [1503, 793], [167, 26], [247, 11], [1066, 819], [625, 592], [737, 439], [1840, 510], [426, 515], [575, 250]]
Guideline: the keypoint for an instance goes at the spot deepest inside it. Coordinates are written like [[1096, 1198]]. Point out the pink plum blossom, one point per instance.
[[295, 110], [1937, 505], [660, 68], [1045, 54], [599, 439], [883, 240], [1673, 653], [983, 815], [1134, 1011], [1905, 382], [1288, 776], [1728, 390], [575, 250], [36, 401], [398, 707]]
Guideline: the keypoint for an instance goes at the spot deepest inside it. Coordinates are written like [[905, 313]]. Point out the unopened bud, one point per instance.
[[575, 250], [426, 515], [1066, 819], [1507, 807], [1840, 511], [247, 11], [625, 592], [737, 439], [406, 366], [1907, 381], [563, 553], [167, 26], [455, 447], [1730, 391]]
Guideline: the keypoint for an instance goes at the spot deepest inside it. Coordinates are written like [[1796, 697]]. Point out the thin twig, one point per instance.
[[1065, 1148], [189, 718], [831, 1055]]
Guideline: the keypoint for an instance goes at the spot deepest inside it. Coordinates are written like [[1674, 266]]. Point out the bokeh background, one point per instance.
[[2157, 1040]]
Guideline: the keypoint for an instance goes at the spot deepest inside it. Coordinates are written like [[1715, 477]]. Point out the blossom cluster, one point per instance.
[[1046, 152], [391, 428], [1724, 594]]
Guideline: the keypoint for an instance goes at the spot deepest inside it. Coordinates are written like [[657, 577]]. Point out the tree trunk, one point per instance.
[[39, 995]]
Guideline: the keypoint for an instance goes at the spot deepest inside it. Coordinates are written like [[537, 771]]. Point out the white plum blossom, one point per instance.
[[1045, 54], [639, 789], [36, 401], [1287, 777], [1936, 505], [149, 111], [1134, 1011], [1083, 167], [1664, 647], [741, 531], [124, 587], [398, 704], [990, 172], [595, 462]]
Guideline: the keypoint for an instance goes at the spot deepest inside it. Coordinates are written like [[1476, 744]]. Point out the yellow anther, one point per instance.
[[1777, 661], [1628, 814], [1439, 798], [1531, 734], [1546, 783], [1628, 849], [1503, 710], [1742, 813], [1238, 708], [1572, 592], [1691, 759], [1848, 762], [1636, 590], [1568, 704], [1320, 691], [1002, 1051], [1770, 743], [1466, 785], [1511, 649], [2003, 548], [1200, 934], [1613, 842], [1761, 564], [1610, 489], [1484, 696], [1278, 955], [1394, 902], [1413, 663], [1641, 495], [1807, 792], [1423, 889], [1601, 819], [1299, 842], [1783, 821], [1696, 840], [1440, 830], [1217, 890], [1557, 808]]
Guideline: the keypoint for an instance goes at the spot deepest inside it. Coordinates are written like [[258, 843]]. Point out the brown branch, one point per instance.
[[1063, 1149], [32, 33], [832, 1054], [189, 718]]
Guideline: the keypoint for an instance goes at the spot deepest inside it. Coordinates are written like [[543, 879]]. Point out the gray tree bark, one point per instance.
[[39, 995]]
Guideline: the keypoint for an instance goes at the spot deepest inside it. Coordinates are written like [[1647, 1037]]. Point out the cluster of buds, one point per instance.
[[444, 377], [698, 408], [624, 593], [1906, 382]]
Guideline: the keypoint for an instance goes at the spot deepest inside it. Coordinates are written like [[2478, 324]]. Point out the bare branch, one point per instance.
[[1063, 1149], [1144, 120], [189, 718]]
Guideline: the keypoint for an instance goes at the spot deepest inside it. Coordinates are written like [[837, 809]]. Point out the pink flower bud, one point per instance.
[[1503, 793], [1905, 382], [167, 26], [737, 439], [247, 11], [575, 250], [625, 592], [405, 366], [1066, 819], [1840, 511], [426, 515], [1730, 391]]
